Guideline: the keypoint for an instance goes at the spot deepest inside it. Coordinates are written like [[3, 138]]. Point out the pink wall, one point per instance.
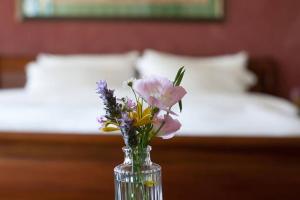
[[262, 27]]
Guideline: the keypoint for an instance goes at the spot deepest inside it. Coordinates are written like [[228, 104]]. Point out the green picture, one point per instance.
[[136, 9]]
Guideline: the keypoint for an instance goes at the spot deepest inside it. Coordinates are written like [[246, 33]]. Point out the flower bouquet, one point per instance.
[[139, 120]]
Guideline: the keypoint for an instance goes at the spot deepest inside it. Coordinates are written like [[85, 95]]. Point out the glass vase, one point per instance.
[[137, 178]]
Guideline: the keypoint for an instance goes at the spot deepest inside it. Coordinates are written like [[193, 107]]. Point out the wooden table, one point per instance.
[[77, 167]]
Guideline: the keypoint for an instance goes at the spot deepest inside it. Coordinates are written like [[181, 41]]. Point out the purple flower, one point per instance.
[[102, 120], [159, 91], [130, 104], [125, 119], [112, 108], [169, 126], [101, 87], [128, 131]]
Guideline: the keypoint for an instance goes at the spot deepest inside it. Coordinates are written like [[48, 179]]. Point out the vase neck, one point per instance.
[[144, 154]]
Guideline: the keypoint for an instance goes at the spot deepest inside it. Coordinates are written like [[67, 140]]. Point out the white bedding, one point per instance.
[[204, 114]]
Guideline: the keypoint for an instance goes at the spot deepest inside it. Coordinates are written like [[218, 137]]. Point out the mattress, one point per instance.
[[205, 114]]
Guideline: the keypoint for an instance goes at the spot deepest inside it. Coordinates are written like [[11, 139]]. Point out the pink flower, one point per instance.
[[159, 91], [169, 127]]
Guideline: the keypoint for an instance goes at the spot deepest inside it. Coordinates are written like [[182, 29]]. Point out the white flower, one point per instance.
[[129, 82]]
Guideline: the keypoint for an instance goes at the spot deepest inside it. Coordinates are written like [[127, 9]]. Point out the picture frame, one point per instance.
[[121, 9]]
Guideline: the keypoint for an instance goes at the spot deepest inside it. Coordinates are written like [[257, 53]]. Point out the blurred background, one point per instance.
[[240, 124]]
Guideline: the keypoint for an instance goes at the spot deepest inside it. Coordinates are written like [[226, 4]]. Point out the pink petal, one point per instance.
[[169, 128], [153, 101], [159, 91], [168, 136], [140, 86], [174, 95]]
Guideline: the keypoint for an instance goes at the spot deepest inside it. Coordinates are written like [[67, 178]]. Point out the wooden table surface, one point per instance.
[[72, 167]]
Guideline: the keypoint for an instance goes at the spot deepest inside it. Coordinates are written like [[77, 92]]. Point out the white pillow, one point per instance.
[[127, 59], [226, 73], [65, 76]]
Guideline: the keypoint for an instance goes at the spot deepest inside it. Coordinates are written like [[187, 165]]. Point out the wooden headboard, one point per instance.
[[12, 73]]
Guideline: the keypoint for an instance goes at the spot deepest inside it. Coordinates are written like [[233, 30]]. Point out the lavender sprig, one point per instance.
[[112, 108], [128, 131], [114, 113]]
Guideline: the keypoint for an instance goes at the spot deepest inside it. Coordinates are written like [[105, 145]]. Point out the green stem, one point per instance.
[[136, 99], [138, 155]]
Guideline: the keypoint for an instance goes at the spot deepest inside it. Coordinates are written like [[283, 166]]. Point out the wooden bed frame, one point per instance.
[[79, 167]]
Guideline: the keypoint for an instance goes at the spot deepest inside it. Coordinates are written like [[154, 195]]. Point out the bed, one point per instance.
[[71, 160]]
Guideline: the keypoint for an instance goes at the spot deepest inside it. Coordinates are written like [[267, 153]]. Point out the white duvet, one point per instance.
[[203, 114]]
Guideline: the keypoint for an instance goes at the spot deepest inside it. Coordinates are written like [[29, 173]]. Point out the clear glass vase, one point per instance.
[[138, 178]]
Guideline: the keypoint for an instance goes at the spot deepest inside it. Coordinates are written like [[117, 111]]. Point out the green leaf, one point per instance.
[[177, 81], [180, 105], [178, 74], [180, 77]]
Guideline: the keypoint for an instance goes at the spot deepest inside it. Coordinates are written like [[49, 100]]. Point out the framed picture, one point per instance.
[[122, 9]]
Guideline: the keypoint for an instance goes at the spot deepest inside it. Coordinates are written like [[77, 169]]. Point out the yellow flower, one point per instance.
[[141, 117], [108, 128], [149, 183]]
